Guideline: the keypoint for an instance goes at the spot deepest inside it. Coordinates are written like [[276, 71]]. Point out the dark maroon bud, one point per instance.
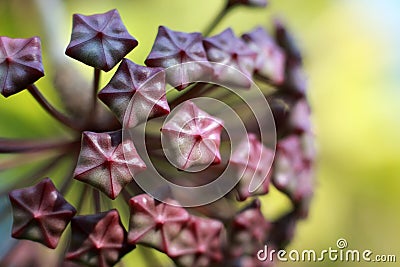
[[100, 40], [107, 162], [98, 240], [20, 64], [172, 48], [138, 90], [40, 213]]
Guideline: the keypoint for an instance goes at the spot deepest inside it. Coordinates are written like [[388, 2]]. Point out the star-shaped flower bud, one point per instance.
[[252, 161], [183, 50], [198, 244], [291, 114], [107, 162], [40, 213], [270, 62], [138, 90], [293, 172], [191, 137], [20, 64], [100, 40], [98, 240], [152, 222], [234, 55], [295, 80], [249, 231], [251, 3]]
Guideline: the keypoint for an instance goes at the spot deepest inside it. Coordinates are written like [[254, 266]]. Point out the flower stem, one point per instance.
[[22, 146], [96, 84], [217, 19], [96, 200], [51, 109], [32, 178]]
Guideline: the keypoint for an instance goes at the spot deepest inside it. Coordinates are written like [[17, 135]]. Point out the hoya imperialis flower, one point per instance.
[[198, 244], [194, 148], [40, 213], [100, 40], [172, 48], [252, 161], [98, 240], [227, 49], [192, 137], [151, 221], [248, 234], [270, 62], [138, 89], [292, 170], [20, 64], [295, 80], [107, 162]]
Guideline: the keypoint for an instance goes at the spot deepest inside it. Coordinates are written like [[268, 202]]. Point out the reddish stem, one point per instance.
[[51, 109], [23, 146]]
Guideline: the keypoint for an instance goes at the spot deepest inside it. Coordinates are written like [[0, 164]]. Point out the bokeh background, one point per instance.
[[352, 60]]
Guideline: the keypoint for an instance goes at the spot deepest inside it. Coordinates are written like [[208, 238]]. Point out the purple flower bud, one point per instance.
[[198, 244], [249, 232], [172, 48], [40, 213], [106, 162], [270, 62], [227, 49], [192, 137], [293, 173], [291, 114], [20, 64], [252, 162], [147, 85], [151, 222], [295, 80], [100, 40], [98, 240]]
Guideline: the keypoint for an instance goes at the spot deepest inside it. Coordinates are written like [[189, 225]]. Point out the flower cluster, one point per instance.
[[189, 145]]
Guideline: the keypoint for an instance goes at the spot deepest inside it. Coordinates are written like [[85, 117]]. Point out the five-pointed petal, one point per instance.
[[270, 62], [98, 240], [192, 137], [152, 222], [198, 244], [252, 161], [40, 213], [107, 162], [20, 64], [293, 173], [186, 49], [100, 40], [136, 92], [234, 55]]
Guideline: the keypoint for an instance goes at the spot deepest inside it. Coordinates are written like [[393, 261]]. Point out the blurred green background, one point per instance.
[[352, 61]]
